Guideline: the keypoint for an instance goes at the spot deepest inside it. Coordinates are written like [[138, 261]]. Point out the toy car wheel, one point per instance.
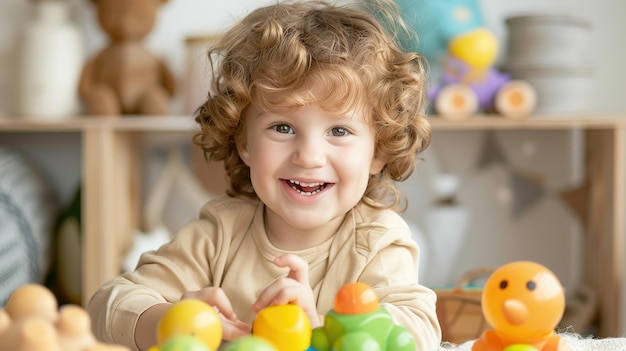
[[516, 99], [456, 102]]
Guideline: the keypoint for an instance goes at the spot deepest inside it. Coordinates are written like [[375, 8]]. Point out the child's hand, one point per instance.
[[294, 288], [232, 328]]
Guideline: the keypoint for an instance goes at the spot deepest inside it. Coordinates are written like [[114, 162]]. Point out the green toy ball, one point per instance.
[[182, 342], [250, 342]]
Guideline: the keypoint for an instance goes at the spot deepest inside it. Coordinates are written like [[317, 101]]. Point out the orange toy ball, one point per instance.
[[523, 300], [356, 298]]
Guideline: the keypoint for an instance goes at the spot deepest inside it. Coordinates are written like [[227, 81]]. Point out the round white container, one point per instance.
[[548, 40], [51, 58], [559, 90]]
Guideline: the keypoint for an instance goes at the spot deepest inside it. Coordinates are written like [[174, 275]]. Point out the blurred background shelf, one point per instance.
[[111, 163]]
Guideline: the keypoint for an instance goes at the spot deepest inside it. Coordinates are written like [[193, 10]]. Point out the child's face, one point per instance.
[[308, 166]]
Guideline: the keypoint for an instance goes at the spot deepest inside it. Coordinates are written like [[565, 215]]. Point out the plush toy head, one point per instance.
[[124, 19]]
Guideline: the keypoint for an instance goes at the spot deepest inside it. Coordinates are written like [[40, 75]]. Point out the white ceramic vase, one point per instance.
[[50, 60]]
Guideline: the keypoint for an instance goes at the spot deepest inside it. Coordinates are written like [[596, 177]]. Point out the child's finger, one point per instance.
[[220, 301], [298, 268], [280, 292], [288, 291], [215, 297], [232, 330]]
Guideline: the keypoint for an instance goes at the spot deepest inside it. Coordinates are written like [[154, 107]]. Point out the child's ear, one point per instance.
[[377, 165], [242, 150]]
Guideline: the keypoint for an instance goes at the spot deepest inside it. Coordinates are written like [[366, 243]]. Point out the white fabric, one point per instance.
[[576, 342]]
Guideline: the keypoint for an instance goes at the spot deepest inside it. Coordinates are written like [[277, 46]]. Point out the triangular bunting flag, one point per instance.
[[527, 190], [492, 152], [577, 200]]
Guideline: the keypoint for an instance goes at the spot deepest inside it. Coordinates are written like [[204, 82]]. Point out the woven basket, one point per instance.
[[459, 309]]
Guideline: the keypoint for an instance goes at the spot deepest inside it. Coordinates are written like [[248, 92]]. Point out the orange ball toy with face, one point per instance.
[[523, 302]]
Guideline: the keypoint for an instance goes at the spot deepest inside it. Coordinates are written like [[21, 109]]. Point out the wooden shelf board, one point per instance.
[[83, 123], [187, 123], [586, 121]]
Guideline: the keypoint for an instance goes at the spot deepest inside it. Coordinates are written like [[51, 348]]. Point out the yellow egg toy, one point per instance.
[[191, 317], [285, 326], [478, 48]]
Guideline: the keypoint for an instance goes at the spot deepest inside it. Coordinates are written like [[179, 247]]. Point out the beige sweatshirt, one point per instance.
[[228, 247]]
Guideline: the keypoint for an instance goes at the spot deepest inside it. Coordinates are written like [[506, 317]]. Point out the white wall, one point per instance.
[[560, 166]]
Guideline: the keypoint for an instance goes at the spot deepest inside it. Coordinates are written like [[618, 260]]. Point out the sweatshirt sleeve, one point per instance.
[[161, 276], [392, 273]]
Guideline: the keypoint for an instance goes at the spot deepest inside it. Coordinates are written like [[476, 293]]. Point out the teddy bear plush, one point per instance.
[[126, 78], [31, 320]]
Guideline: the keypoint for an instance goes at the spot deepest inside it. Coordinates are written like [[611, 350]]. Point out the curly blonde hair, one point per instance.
[[277, 54]]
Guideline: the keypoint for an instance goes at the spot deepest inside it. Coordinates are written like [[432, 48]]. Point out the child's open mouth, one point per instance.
[[307, 189]]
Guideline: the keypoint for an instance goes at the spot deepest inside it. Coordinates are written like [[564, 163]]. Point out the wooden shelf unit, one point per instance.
[[110, 164]]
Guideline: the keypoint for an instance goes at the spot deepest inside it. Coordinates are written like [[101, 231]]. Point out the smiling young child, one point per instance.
[[315, 113]]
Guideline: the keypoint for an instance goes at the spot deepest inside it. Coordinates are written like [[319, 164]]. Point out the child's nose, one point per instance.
[[308, 153]]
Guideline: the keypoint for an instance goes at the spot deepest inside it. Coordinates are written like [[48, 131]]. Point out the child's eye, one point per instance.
[[283, 128], [339, 131]]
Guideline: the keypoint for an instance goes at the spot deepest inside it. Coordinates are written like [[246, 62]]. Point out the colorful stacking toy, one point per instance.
[[357, 322]]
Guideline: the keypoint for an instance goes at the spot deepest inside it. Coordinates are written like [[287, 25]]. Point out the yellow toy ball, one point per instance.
[[477, 48], [191, 317]]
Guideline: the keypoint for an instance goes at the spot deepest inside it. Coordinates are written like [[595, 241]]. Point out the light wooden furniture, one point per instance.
[[110, 171], [605, 147], [110, 165]]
